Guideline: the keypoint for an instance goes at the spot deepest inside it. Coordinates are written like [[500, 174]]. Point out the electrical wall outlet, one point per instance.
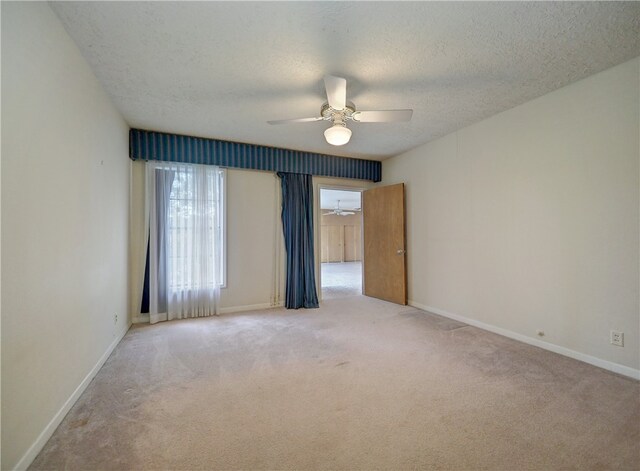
[[617, 338], [115, 318]]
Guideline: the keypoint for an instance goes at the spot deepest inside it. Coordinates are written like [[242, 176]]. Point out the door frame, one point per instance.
[[317, 229]]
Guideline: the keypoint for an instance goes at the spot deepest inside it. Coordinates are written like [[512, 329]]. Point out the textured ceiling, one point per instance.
[[222, 69]]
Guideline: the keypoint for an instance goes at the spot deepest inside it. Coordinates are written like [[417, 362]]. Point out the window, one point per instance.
[[196, 212], [187, 246]]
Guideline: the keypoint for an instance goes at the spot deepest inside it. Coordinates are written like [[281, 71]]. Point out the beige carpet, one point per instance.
[[356, 384]]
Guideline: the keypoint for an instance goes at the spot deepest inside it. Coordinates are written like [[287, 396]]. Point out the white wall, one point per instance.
[[253, 230], [65, 189], [529, 220]]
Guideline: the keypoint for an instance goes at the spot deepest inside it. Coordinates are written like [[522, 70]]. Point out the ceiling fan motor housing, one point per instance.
[[337, 116]]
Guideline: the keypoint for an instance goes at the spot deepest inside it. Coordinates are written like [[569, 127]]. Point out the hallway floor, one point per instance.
[[341, 279]]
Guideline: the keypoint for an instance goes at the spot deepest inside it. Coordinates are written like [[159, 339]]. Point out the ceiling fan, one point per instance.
[[338, 111], [340, 212]]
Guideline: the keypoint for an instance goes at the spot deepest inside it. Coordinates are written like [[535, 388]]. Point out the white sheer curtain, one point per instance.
[[185, 240]]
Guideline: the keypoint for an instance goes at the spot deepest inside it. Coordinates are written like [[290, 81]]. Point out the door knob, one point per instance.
[[400, 251]]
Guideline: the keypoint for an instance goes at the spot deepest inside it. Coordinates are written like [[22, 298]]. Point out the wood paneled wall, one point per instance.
[[341, 238]]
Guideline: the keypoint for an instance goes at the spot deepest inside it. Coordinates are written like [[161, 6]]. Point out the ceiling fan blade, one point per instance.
[[336, 91], [346, 213], [327, 214], [297, 120], [386, 116]]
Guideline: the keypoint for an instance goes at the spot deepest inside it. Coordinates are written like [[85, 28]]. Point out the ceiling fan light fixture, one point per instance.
[[338, 134]]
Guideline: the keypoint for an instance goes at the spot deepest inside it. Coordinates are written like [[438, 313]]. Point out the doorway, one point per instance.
[[341, 243]]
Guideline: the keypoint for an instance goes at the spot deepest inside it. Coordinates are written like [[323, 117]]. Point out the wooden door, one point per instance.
[[384, 243], [352, 237], [334, 240], [331, 244], [324, 244]]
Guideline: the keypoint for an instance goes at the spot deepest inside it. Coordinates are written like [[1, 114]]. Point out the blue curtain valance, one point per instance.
[[150, 145]]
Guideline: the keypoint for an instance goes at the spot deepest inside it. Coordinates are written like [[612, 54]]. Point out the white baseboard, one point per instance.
[[249, 307], [44, 436], [607, 365], [140, 319]]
